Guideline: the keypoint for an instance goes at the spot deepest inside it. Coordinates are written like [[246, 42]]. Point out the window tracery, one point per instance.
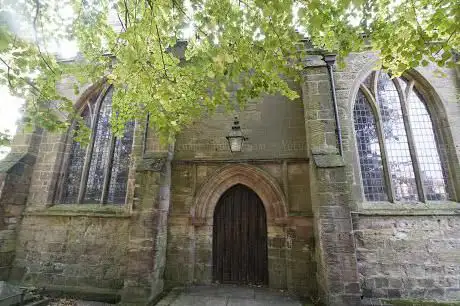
[[98, 173], [399, 151]]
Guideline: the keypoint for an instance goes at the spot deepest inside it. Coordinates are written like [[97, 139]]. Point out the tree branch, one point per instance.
[[181, 9], [446, 42], [419, 27], [9, 77], [149, 2], [28, 82], [121, 22], [126, 13], [37, 10], [161, 50], [277, 35]]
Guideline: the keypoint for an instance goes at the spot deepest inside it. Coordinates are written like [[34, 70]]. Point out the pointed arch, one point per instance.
[[97, 172], [404, 128], [255, 178]]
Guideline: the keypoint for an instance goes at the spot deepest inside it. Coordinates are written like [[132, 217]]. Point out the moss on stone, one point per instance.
[[81, 210], [86, 208]]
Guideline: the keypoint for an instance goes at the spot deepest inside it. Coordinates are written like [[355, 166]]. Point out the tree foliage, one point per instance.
[[5, 138], [236, 50]]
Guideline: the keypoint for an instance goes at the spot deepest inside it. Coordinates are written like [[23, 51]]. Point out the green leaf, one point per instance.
[[252, 46]]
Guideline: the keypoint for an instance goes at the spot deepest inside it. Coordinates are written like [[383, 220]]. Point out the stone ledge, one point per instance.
[[300, 214], [152, 162], [407, 302], [427, 212], [441, 208], [84, 293], [327, 157], [86, 210]]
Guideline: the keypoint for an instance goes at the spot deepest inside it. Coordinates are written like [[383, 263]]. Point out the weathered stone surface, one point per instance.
[[72, 250], [328, 160], [290, 248], [409, 256], [272, 134], [15, 176], [315, 247]]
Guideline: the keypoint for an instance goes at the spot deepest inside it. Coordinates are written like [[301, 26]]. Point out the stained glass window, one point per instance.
[[75, 165], [409, 142], [427, 146], [399, 159], [98, 172], [370, 156], [120, 169]]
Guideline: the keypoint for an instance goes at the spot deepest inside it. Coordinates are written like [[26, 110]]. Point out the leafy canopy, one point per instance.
[[236, 49]]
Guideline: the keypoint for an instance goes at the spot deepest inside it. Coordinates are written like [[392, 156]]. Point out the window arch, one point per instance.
[[399, 151], [98, 173]]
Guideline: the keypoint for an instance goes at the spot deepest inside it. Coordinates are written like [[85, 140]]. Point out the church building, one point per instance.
[[348, 195]]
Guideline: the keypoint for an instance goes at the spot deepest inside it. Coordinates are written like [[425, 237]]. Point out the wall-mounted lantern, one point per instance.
[[235, 137]]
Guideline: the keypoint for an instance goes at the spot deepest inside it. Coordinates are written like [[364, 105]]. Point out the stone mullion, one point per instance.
[[89, 150], [411, 142], [108, 170], [380, 136], [409, 88]]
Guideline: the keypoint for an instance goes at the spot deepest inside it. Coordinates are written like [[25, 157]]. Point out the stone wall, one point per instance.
[[331, 191], [82, 247], [16, 171], [415, 257], [404, 250], [273, 124], [290, 245], [315, 247], [15, 174], [72, 249], [278, 146], [148, 231]]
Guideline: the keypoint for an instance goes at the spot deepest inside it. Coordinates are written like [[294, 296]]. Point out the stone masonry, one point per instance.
[[413, 256], [15, 175], [325, 241]]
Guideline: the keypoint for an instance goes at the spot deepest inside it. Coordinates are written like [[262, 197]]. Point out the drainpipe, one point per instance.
[[330, 61], [146, 131]]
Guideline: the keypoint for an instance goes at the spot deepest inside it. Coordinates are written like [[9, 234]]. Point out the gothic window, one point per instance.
[[399, 151], [98, 172]]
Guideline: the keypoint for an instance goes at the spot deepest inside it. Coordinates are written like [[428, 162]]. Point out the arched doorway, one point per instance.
[[240, 238]]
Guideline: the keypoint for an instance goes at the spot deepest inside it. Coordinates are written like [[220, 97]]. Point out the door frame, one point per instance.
[[202, 213]]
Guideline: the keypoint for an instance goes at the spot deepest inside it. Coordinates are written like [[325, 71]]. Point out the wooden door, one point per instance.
[[240, 238]]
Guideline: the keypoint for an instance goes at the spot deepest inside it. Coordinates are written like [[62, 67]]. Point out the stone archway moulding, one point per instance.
[[258, 180]]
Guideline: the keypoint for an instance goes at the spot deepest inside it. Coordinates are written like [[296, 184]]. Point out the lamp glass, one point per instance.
[[235, 143]]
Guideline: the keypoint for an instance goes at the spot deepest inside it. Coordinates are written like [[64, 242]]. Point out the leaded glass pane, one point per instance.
[[120, 166], [100, 154], [399, 159], [75, 166], [370, 157], [433, 172]]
